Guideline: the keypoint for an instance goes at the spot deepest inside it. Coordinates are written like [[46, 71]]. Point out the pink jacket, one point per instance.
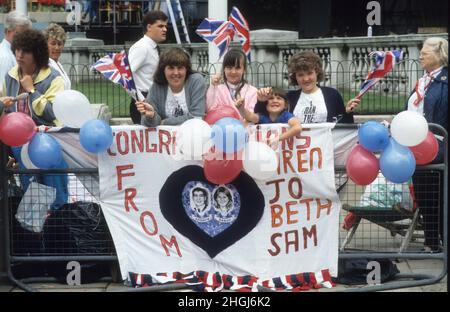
[[219, 95]]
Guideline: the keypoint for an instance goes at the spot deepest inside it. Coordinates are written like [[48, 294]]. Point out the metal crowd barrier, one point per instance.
[[396, 233], [393, 232]]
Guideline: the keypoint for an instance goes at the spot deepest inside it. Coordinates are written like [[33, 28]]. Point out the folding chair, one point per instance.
[[388, 205], [387, 219]]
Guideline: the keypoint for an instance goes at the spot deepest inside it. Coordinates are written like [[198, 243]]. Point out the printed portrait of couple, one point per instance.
[[220, 199]]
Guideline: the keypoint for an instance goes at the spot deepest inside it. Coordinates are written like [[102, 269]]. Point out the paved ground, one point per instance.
[[432, 267]]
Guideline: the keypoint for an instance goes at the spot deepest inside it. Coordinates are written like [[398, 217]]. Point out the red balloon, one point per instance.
[[426, 151], [221, 112], [362, 166], [224, 170], [16, 129]]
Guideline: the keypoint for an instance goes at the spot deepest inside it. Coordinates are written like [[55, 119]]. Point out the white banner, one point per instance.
[[286, 225]]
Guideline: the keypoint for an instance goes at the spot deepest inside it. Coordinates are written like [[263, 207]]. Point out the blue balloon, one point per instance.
[[228, 135], [373, 136], [44, 151], [96, 136], [397, 162]]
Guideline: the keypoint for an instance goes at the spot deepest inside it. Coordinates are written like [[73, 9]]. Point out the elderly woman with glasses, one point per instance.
[[430, 99]]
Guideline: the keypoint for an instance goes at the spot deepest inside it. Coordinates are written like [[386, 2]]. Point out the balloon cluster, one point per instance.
[[410, 143], [41, 150], [221, 141], [16, 129], [73, 109]]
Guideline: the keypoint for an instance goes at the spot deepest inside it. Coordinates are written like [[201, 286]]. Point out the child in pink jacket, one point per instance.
[[234, 87]]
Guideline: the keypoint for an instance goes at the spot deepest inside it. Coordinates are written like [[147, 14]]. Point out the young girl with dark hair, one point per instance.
[[234, 87]]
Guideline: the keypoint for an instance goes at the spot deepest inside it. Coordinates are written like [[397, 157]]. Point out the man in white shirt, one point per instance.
[[15, 22], [144, 57]]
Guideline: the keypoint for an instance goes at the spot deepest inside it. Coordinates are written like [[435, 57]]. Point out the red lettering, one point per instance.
[[290, 212], [277, 250], [144, 227], [172, 242], [293, 242], [311, 158], [277, 220], [307, 139], [258, 134], [137, 143], [306, 234], [287, 155], [164, 140], [291, 239], [277, 190], [120, 175], [130, 193], [326, 206], [307, 201], [297, 194], [122, 147], [153, 146], [301, 161]]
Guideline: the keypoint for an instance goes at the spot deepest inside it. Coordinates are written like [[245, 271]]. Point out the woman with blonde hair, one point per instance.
[[56, 39], [430, 99]]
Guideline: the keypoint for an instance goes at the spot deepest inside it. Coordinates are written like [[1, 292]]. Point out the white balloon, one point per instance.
[[194, 138], [409, 128], [72, 108], [260, 161], [26, 161]]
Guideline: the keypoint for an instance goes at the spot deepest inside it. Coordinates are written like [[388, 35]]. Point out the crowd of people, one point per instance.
[[170, 92]]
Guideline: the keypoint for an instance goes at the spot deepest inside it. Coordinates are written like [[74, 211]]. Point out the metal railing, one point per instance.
[[387, 97]]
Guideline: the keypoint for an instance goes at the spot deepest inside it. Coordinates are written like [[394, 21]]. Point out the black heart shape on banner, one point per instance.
[[171, 204]]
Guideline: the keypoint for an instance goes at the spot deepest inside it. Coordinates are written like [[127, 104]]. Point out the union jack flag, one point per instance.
[[219, 33], [115, 67], [242, 29], [384, 63]]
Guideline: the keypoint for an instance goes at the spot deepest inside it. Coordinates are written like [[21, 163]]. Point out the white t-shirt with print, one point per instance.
[[311, 108], [176, 104]]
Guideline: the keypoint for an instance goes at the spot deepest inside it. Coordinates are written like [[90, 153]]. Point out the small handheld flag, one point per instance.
[[384, 63], [115, 67], [221, 33], [242, 29]]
